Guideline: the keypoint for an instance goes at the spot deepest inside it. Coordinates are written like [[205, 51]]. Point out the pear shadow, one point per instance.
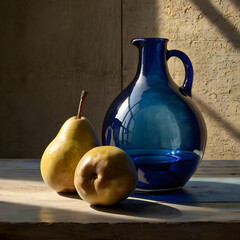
[[141, 208], [69, 195]]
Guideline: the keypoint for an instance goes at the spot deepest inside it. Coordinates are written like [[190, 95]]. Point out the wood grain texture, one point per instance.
[[120, 231], [49, 52], [205, 209]]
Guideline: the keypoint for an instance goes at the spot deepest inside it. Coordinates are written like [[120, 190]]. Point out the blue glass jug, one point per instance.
[[156, 122]]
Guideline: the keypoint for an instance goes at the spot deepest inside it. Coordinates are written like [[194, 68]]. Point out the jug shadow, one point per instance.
[[197, 193], [141, 208]]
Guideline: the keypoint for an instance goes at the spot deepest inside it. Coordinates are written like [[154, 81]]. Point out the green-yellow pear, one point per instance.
[[105, 176], [59, 160]]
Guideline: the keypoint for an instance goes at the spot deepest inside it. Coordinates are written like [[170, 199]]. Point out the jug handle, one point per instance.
[[186, 88]]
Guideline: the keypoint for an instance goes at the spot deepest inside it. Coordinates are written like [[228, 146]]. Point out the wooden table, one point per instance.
[[208, 207]]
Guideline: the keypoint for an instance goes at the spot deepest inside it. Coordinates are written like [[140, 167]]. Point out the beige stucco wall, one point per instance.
[[208, 31]]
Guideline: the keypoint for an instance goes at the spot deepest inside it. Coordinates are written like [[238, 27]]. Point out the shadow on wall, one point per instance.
[[229, 31], [236, 2], [233, 131], [223, 24]]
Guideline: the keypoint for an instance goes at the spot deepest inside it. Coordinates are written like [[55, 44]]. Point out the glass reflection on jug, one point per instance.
[[156, 122]]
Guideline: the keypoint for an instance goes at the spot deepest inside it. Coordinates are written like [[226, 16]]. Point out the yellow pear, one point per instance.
[[105, 176], [76, 137]]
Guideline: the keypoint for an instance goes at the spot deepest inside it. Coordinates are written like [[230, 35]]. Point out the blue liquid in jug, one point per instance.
[[161, 170]]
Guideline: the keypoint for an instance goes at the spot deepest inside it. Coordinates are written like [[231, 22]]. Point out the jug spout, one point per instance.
[[152, 57], [137, 41]]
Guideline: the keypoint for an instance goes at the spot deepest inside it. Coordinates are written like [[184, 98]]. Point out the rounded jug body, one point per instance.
[[156, 122]]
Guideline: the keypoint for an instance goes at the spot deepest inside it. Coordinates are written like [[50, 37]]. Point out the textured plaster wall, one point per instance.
[[208, 31]]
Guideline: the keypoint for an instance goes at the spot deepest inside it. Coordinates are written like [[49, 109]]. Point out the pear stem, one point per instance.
[[82, 98]]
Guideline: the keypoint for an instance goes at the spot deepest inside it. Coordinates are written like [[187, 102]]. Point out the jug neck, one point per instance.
[[152, 64]]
